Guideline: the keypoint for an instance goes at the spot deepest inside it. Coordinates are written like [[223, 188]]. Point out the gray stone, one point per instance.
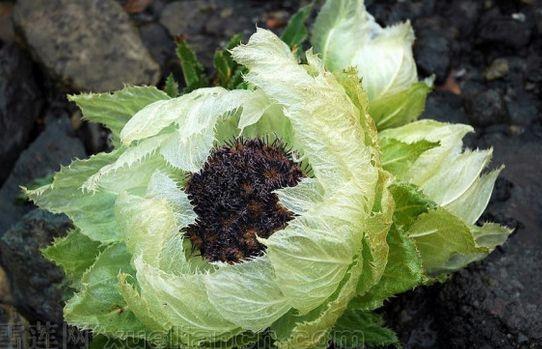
[[432, 47], [6, 27], [522, 107], [20, 104], [498, 300], [206, 24], [185, 17], [37, 285], [445, 107], [462, 14], [88, 45], [159, 43], [54, 147], [412, 316], [496, 29], [522, 156], [486, 108]]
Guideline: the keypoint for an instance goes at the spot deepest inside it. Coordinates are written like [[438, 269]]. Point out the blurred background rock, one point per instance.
[[486, 56]]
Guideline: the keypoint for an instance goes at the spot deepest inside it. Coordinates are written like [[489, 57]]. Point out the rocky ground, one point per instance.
[[487, 60]]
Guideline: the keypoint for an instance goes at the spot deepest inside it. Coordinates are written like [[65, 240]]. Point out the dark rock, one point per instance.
[[6, 28], [207, 24], [517, 72], [392, 12], [537, 12], [485, 108], [12, 325], [522, 156], [534, 62], [496, 29], [445, 107], [88, 45], [185, 17], [432, 48], [225, 21], [502, 190], [497, 300], [37, 285], [159, 43], [54, 147], [20, 104], [411, 315], [96, 138], [462, 14], [522, 107]]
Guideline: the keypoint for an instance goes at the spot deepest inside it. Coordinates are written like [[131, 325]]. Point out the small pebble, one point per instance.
[[498, 69]]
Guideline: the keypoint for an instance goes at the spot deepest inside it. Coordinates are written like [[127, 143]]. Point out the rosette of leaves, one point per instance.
[[273, 216]]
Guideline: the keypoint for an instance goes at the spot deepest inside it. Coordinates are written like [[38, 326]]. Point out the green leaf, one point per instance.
[[193, 70], [155, 118], [456, 175], [91, 213], [75, 253], [182, 303], [146, 224], [190, 144], [99, 306], [400, 108], [172, 86], [444, 241], [376, 249], [403, 272], [224, 67], [338, 32], [296, 31], [346, 35], [229, 74], [118, 176], [247, 294], [490, 235], [357, 329], [312, 330], [471, 204], [351, 83], [398, 157], [410, 202], [444, 173], [113, 110], [272, 124], [32, 185]]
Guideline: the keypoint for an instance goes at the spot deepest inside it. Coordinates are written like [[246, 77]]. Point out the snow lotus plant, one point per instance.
[[273, 216]]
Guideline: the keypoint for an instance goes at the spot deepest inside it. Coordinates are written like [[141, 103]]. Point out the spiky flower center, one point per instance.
[[234, 200]]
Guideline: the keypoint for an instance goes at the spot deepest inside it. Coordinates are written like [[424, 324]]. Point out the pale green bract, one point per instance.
[[452, 179], [376, 215], [346, 35]]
